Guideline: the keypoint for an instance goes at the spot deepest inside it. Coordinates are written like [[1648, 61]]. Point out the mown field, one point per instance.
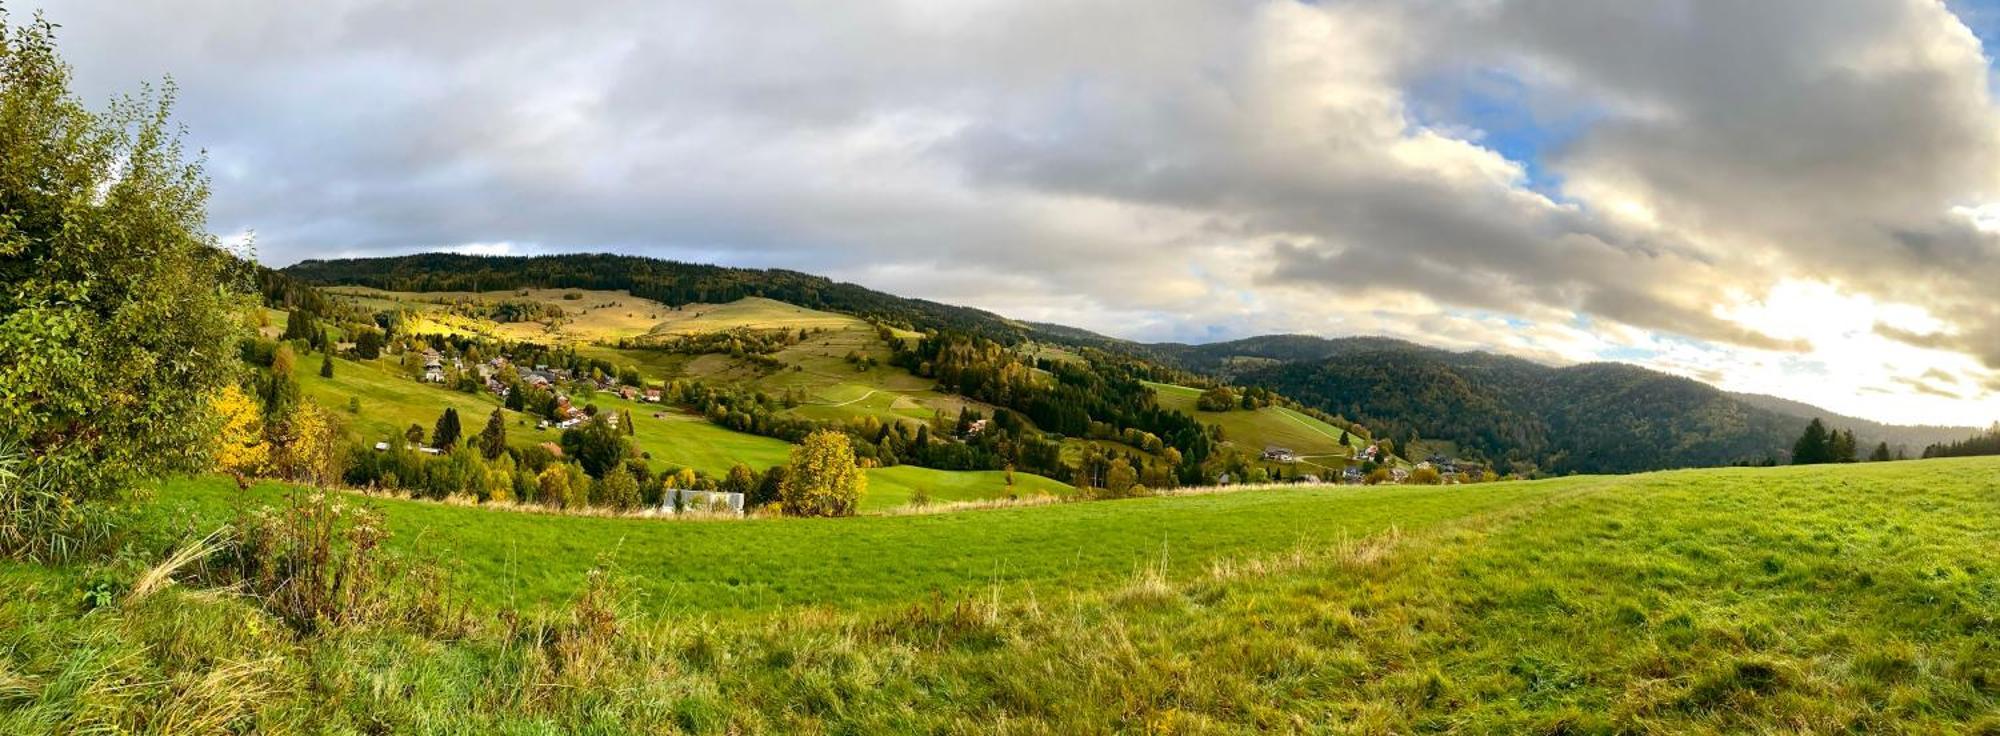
[[1842, 599]]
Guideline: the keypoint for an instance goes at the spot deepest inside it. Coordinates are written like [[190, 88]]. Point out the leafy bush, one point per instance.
[[113, 329]]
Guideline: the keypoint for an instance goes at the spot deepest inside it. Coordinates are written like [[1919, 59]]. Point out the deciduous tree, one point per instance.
[[822, 478]]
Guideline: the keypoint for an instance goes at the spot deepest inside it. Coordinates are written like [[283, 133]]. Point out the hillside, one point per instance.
[[1821, 599], [1593, 418], [1473, 386], [668, 282]]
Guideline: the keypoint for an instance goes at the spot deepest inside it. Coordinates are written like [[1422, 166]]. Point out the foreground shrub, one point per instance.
[[114, 332], [313, 563]]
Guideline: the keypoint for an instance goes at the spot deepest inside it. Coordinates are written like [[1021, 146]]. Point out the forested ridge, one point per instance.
[[669, 282], [1592, 418]]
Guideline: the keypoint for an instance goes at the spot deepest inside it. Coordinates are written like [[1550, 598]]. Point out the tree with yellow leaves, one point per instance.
[[240, 448], [822, 478], [308, 445]]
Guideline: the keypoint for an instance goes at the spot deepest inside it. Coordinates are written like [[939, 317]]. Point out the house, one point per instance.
[[381, 447], [1352, 475], [652, 396], [676, 500], [1399, 475], [1275, 453], [433, 374], [628, 393], [977, 427]]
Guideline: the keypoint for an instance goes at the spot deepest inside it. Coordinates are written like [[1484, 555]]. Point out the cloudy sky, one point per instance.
[[1796, 197]]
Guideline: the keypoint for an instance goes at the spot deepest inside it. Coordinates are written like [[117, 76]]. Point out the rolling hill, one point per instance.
[[1513, 412]]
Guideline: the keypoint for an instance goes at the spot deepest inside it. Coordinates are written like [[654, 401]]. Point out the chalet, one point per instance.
[[1399, 475], [977, 427], [1352, 475], [433, 374], [652, 396], [1275, 453], [628, 393]]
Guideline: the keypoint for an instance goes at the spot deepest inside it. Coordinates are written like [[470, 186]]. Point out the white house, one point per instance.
[[677, 500]]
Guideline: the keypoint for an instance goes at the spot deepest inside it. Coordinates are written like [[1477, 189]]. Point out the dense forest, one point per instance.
[[1987, 442]]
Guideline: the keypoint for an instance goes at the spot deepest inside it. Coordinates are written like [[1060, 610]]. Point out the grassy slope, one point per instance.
[[1317, 442], [1855, 599], [391, 402], [767, 562]]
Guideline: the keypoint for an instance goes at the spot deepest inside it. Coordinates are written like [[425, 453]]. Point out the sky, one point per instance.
[[1793, 197]]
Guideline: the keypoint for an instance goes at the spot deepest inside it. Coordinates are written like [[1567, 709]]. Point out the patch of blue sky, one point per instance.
[[1498, 110], [1983, 17]]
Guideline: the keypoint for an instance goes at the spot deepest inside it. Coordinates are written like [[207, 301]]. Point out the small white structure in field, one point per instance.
[[677, 500], [381, 446]]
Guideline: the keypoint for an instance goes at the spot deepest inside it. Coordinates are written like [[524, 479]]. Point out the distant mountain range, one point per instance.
[[1596, 417]]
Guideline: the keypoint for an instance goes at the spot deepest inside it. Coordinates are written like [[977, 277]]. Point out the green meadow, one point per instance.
[[1822, 599], [1317, 443]]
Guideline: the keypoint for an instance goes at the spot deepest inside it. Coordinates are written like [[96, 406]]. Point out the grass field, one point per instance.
[[1845, 599]]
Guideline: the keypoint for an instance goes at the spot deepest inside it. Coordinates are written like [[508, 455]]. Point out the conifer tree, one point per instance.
[[445, 435], [1814, 446], [493, 439]]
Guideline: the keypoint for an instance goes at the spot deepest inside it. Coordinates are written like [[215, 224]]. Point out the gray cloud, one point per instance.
[[1179, 169]]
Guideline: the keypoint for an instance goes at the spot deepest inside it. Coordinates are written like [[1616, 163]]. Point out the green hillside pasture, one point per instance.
[[1317, 443], [391, 401], [594, 315], [1822, 600], [753, 313], [891, 487], [676, 438], [762, 563]]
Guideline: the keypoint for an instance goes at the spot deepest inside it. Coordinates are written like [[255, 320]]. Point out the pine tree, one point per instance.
[[445, 435], [326, 366], [1881, 453], [1814, 446], [493, 439]]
